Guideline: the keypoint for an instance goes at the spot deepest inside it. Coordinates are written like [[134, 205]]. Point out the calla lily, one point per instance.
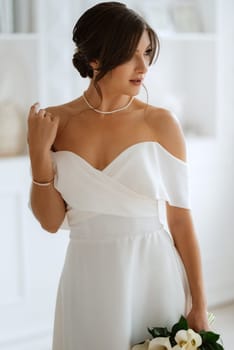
[[160, 343], [187, 340], [144, 346]]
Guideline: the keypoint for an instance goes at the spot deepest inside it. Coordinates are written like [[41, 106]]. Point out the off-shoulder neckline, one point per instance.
[[121, 154]]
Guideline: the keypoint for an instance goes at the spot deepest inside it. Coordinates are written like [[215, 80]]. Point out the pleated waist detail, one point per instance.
[[114, 227]]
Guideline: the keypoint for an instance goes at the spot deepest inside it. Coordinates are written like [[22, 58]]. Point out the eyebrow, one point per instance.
[[149, 46]]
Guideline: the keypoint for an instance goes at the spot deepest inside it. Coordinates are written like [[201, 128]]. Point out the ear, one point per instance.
[[94, 64]]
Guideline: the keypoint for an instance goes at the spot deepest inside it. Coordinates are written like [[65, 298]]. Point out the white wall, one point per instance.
[[212, 171]]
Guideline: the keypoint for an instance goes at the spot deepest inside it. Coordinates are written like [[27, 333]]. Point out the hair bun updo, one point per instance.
[[81, 63]]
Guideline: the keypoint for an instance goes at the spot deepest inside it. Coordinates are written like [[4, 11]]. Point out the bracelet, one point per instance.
[[42, 183]]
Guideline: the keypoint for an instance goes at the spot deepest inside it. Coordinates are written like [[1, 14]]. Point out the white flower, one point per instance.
[[187, 340], [160, 343], [144, 346]]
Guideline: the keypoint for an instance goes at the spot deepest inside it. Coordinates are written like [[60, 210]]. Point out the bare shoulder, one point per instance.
[[64, 112], [168, 131]]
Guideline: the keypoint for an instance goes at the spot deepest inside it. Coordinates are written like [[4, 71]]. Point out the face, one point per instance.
[[128, 77]]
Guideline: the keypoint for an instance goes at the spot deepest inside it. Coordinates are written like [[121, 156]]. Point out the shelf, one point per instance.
[[19, 36], [199, 36], [181, 20], [13, 160]]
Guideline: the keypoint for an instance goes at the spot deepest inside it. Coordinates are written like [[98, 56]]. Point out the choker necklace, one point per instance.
[[107, 112]]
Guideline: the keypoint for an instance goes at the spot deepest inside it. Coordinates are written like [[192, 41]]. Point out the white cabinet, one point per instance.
[[20, 69], [30, 264], [30, 258], [184, 79]]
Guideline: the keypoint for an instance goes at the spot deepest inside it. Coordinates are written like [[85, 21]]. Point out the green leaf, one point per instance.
[[209, 347], [172, 341], [209, 341], [159, 332], [202, 347], [209, 336], [218, 346], [182, 324], [212, 346]]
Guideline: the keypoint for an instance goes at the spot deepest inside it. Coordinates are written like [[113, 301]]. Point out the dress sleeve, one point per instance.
[[173, 184], [65, 224]]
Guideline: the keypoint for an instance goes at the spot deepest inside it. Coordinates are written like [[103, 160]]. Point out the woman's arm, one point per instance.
[[182, 229], [170, 135], [47, 204]]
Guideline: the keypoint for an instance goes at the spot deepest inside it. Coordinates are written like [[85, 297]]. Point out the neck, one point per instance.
[[109, 102]]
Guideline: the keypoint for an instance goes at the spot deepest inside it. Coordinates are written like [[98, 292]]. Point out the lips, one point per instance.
[[136, 81]]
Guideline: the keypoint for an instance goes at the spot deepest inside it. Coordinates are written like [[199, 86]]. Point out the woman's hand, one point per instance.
[[198, 320], [42, 130]]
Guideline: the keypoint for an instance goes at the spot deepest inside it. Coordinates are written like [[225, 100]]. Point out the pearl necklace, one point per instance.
[[107, 112]]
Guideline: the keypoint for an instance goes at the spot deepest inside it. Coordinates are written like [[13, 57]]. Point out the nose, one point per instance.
[[142, 65]]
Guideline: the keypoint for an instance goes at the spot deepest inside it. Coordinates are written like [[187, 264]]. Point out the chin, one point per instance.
[[133, 92]]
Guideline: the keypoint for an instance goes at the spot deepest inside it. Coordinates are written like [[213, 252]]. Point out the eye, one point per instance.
[[148, 52]]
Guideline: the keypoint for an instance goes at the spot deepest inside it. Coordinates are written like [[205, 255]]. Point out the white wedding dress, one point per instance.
[[122, 272]]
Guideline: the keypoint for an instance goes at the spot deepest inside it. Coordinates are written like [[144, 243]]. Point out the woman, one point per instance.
[[102, 163]]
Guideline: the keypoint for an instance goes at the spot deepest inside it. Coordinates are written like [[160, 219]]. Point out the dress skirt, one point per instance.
[[120, 276]]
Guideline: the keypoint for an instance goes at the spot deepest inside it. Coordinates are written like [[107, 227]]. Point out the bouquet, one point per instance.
[[181, 337]]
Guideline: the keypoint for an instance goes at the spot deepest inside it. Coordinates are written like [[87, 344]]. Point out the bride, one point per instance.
[[101, 165]]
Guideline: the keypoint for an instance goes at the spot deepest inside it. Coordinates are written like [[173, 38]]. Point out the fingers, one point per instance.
[[42, 114], [33, 110], [46, 115], [35, 106]]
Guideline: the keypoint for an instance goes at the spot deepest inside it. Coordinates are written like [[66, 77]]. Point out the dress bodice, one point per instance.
[[131, 185]]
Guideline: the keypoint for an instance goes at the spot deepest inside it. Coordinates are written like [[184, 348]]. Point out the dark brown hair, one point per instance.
[[109, 32]]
